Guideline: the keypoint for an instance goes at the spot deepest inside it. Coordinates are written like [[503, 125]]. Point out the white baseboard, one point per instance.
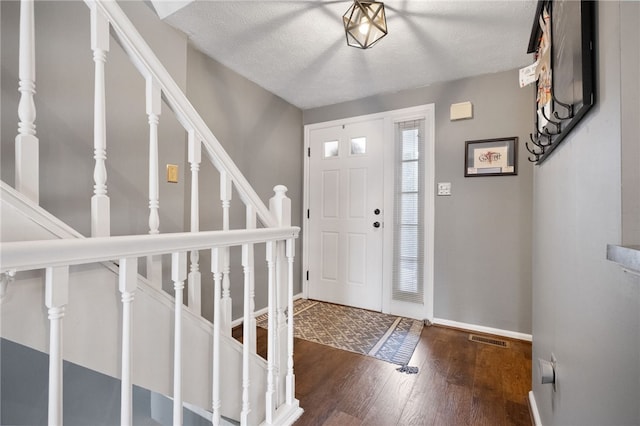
[[264, 310], [483, 329], [534, 409]]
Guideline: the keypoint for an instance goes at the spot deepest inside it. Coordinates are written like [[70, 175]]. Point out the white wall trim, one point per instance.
[[483, 329], [534, 409]]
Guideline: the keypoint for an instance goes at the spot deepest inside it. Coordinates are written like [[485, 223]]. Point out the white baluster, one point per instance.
[[216, 269], [249, 322], [56, 298], [291, 380], [249, 272], [246, 333], [280, 322], [271, 397], [128, 281], [27, 150], [226, 306], [100, 204], [195, 156], [178, 275], [154, 102]]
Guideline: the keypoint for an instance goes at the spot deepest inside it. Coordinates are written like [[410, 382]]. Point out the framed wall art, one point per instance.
[[491, 157]]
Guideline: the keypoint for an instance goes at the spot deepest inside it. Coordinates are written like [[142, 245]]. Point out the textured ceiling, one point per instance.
[[297, 49]]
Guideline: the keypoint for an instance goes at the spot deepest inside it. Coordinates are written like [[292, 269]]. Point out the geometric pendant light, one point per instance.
[[365, 23]]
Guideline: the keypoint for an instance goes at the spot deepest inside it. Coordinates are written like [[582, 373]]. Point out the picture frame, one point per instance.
[[491, 157]]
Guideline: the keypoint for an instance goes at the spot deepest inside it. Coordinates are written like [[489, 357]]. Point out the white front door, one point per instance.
[[346, 215]]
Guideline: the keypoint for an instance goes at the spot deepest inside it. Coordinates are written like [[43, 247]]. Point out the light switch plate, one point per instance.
[[172, 173], [444, 188]]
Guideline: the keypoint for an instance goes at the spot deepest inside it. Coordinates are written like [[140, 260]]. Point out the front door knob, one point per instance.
[[376, 224]]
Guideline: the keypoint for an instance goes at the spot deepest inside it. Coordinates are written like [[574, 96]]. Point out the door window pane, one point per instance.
[[408, 242], [408, 276], [409, 209], [410, 144], [330, 149], [410, 176], [358, 146]]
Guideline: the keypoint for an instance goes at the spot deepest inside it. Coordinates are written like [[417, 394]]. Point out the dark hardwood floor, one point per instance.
[[459, 383]]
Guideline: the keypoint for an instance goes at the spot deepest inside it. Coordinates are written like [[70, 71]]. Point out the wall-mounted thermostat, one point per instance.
[[461, 111]]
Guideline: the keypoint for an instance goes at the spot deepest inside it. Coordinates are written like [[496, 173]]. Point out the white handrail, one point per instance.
[[151, 67], [27, 255]]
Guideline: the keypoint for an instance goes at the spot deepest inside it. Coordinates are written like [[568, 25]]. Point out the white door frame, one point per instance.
[[426, 112]]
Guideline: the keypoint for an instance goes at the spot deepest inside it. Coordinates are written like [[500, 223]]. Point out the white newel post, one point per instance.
[[178, 275], [154, 102], [195, 278], [271, 397], [100, 209], [225, 303], [26, 144], [216, 269], [128, 281], [280, 207], [56, 298]]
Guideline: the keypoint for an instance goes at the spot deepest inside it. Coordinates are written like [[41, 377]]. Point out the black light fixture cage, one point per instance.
[[365, 23]]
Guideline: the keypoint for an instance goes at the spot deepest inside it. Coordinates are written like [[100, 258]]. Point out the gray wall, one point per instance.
[[483, 231], [263, 135], [586, 310]]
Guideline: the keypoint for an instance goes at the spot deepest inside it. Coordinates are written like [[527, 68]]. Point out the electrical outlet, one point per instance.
[[444, 188]]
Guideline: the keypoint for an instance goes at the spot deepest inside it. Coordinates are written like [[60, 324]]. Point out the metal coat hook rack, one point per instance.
[[544, 138], [566, 84]]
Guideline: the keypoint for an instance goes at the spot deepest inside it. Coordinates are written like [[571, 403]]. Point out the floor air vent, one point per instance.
[[489, 341]]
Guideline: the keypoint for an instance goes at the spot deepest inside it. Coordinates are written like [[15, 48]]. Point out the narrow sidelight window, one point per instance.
[[408, 245]]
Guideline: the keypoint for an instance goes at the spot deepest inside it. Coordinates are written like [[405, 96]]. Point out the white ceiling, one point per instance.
[[297, 49]]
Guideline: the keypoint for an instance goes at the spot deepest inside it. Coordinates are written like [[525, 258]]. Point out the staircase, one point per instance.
[[98, 301]]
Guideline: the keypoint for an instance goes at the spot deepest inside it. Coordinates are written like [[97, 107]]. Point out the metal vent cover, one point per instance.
[[489, 340]]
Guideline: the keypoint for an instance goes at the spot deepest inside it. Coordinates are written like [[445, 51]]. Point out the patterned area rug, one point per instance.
[[386, 337]]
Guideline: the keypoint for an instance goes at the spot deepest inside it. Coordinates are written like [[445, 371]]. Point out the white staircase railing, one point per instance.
[[57, 256], [108, 18]]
